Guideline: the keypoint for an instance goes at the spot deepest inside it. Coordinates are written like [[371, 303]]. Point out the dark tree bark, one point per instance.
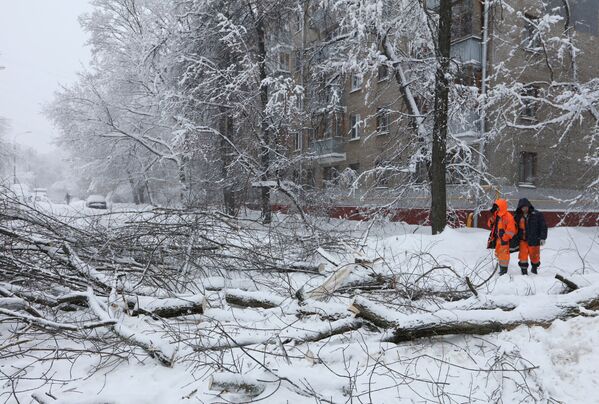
[[226, 130], [264, 129], [438, 163]]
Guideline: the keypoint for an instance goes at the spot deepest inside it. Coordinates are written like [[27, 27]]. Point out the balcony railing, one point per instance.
[[328, 150], [465, 125], [467, 50]]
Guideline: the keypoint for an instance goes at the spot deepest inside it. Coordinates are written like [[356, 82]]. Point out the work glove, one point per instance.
[[542, 242]]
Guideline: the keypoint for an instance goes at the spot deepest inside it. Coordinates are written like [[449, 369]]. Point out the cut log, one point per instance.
[[241, 298], [236, 383], [375, 313], [169, 307]]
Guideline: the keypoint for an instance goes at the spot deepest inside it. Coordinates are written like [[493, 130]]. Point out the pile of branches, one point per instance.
[[76, 274]]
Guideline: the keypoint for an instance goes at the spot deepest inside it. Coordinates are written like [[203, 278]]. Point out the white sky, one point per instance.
[[41, 45]]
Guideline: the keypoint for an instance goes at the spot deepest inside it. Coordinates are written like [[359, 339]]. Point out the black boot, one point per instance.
[[535, 268], [502, 271], [524, 267]]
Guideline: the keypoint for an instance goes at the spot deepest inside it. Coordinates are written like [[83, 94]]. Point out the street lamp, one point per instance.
[[14, 155]]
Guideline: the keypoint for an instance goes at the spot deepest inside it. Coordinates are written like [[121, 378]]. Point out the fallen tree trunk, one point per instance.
[[375, 313], [241, 298], [540, 311], [478, 316], [169, 307]]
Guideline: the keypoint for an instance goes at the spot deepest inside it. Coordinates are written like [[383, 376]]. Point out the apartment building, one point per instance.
[[355, 121]]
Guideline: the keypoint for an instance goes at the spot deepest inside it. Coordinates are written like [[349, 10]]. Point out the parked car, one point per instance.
[[39, 195], [96, 202]]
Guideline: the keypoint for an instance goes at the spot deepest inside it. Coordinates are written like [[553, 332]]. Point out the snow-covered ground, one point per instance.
[[559, 363]]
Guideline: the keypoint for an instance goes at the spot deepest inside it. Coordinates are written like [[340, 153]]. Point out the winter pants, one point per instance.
[[526, 251], [502, 252]]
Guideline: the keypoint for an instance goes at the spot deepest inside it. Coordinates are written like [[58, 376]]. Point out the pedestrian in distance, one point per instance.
[[532, 233], [503, 229]]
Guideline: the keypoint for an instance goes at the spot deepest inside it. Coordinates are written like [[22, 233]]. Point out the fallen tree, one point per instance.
[[479, 316]]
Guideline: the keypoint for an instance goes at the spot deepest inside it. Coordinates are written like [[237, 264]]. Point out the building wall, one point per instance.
[[560, 149]]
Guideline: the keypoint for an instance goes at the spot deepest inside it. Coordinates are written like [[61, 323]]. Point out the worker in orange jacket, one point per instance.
[[503, 228]]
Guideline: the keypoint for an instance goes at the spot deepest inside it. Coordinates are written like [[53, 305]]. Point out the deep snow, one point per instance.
[[527, 364]]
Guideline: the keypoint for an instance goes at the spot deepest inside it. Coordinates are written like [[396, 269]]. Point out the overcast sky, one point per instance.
[[41, 45]]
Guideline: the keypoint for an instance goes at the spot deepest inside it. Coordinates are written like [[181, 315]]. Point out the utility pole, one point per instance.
[[483, 100]]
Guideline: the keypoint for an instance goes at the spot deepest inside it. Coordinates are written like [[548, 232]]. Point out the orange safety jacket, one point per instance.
[[506, 225]]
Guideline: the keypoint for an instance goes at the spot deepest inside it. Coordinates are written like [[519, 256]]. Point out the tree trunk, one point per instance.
[[133, 190], [264, 127], [225, 150], [438, 163], [253, 299]]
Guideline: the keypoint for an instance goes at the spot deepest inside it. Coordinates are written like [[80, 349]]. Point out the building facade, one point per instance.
[[356, 126]]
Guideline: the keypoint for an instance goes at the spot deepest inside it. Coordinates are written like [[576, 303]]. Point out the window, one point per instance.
[[461, 24], [528, 167], [330, 177], [420, 174], [383, 73], [298, 140], [528, 100], [309, 134], [356, 82], [382, 121], [532, 35], [355, 126], [334, 125], [283, 62]]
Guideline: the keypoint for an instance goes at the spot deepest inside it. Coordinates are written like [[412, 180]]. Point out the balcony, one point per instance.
[[467, 50], [329, 150], [465, 125]]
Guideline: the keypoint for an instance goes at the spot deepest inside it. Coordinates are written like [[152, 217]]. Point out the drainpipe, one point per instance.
[[483, 92]]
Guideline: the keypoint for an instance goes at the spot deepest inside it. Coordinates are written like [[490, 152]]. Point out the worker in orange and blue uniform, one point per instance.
[[503, 228], [532, 232]]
